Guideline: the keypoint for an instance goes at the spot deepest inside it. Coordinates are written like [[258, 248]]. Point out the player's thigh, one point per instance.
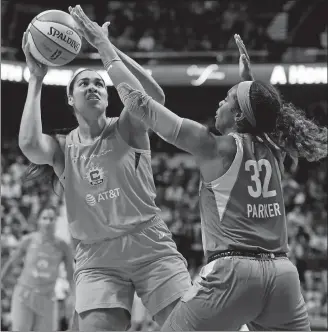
[[22, 316], [223, 299], [285, 308], [162, 315], [45, 322], [161, 276], [113, 319], [103, 289], [74, 322]]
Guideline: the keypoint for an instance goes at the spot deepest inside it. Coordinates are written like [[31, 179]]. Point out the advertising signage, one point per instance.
[[187, 74]]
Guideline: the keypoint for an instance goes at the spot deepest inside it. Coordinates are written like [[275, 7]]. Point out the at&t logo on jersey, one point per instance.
[[90, 199], [103, 196], [95, 175]]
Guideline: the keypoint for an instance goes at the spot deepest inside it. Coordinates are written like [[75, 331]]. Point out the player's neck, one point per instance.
[[89, 130]]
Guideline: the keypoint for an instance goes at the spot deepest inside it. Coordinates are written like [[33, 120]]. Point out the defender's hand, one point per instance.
[[245, 71], [90, 30]]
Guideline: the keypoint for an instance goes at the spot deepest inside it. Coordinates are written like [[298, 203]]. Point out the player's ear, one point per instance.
[[70, 100], [238, 114]]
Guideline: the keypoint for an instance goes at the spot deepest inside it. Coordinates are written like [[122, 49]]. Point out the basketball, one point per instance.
[[53, 38]]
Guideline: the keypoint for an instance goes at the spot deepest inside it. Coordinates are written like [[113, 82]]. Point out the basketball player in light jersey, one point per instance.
[[105, 168], [248, 278], [32, 307]]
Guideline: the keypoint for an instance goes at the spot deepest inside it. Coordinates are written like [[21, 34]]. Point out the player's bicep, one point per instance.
[[43, 151], [195, 138], [133, 131]]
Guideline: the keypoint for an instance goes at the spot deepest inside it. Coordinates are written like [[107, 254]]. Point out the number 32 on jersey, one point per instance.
[[258, 189]]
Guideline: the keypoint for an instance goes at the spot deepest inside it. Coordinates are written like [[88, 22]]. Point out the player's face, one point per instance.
[[225, 115], [47, 220], [90, 97]]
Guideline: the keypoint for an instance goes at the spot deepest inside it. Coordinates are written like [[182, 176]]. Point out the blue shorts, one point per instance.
[[146, 261], [265, 294]]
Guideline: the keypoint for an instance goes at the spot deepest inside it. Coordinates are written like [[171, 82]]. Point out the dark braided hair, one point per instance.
[[285, 124]]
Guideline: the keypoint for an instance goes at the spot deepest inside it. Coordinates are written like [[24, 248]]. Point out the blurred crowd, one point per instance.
[[183, 26], [177, 182], [155, 26]]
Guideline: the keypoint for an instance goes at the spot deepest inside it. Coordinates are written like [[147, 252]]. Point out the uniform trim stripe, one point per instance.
[[227, 181], [137, 156]]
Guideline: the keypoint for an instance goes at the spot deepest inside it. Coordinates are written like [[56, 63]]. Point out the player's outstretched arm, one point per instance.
[[186, 134], [36, 146], [147, 81], [151, 87]]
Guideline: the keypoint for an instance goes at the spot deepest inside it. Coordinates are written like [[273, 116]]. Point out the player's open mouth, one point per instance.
[[93, 97]]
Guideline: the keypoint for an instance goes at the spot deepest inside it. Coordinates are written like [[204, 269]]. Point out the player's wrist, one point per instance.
[[103, 44], [35, 78]]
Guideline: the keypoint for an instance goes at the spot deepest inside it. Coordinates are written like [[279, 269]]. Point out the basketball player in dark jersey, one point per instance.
[[248, 278], [104, 166], [33, 305]]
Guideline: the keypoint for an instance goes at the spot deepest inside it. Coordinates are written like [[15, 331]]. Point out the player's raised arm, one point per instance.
[[36, 146], [147, 81], [186, 134], [245, 71]]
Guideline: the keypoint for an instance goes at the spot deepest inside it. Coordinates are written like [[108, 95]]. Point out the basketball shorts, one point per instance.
[[146, 261], [265, 294], [31, 310]]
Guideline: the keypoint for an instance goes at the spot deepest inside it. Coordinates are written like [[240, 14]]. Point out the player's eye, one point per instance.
[[99, 84]]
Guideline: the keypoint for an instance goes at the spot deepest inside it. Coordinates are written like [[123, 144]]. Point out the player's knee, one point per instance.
[[113, 319], [162, 315]]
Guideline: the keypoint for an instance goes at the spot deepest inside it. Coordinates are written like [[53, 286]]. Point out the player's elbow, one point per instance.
[[26, 146], [32, 153], [27, 142]]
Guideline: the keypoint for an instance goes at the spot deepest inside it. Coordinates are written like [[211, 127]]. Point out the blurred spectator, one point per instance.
[[174, 193], [9, 187], [147, 41], [318, 239], [126, 40]]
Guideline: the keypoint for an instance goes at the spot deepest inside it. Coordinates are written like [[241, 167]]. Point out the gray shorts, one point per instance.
[[232, 291], [31, 311], [146, 261]]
